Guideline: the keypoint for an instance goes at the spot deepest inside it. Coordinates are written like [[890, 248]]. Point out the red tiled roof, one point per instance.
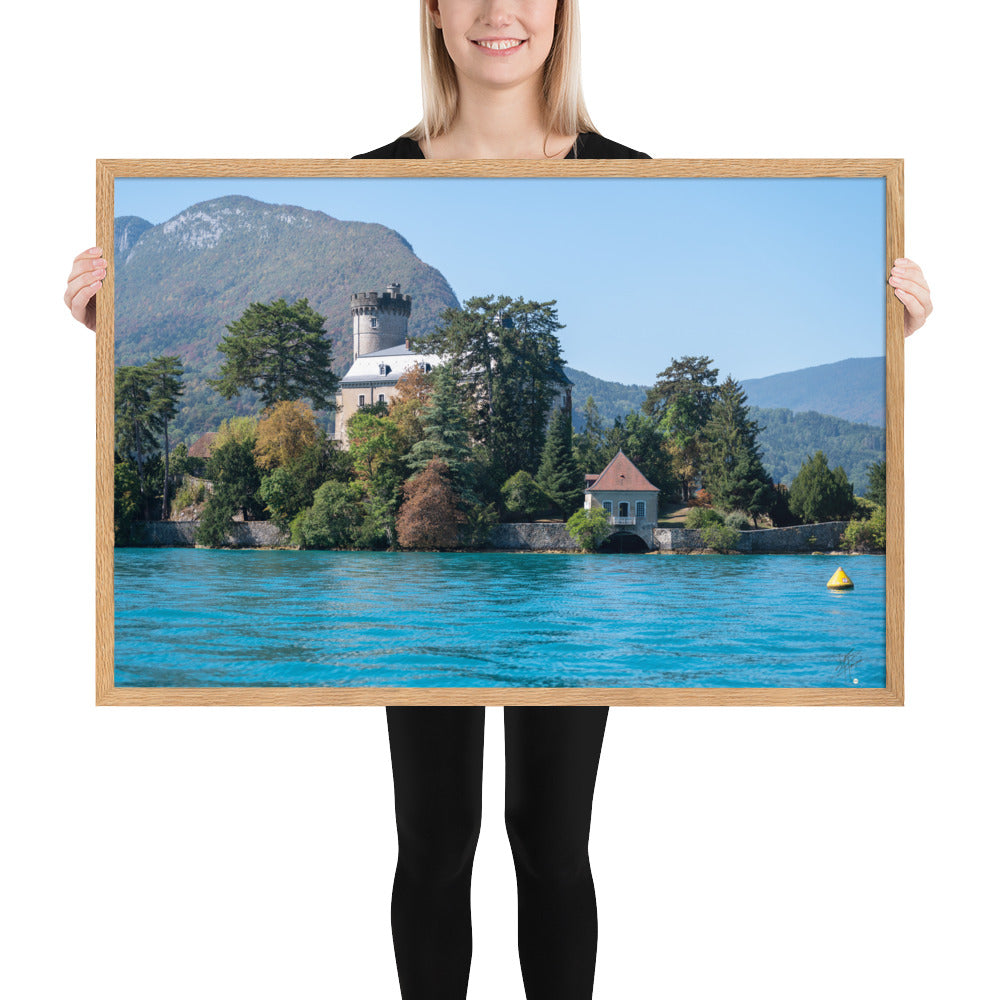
[[202, 446], [621, 474]]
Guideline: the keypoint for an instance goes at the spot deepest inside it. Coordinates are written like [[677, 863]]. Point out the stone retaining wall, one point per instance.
[[799, 538], [533, 536], [242, 535], [266, 534]]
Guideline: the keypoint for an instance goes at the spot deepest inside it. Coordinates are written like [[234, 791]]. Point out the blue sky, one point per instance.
[[762, 275]]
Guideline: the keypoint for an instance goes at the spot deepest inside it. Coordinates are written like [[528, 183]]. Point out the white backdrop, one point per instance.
[[249, 853]]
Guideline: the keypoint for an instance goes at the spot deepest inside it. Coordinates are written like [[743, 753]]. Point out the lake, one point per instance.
[[203, 617]]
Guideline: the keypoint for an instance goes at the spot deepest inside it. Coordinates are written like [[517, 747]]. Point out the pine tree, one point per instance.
[[507, 357], [820, 494], [165, 391], [446, 432], [734, 474], [279, 351], [559, 475]]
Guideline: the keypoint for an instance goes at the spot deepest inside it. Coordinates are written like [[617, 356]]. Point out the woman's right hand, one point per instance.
[[85, 277]]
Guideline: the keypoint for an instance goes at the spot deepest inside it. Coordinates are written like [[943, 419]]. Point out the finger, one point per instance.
[[86, 265], [908, 285], [912, 304], [74, 285], [78, 303], [910, 271]]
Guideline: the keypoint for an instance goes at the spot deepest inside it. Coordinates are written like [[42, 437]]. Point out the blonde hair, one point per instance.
[[562, 92]]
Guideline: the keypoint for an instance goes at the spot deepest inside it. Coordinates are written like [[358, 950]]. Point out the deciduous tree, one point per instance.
[[430, 517]]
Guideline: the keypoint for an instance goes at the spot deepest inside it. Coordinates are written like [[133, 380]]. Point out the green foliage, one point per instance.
[[235, 479], [215, 522], [559, 477], [702, 517], [508, 362], [128, 500], [280, 352], [589, 528], [189, 493], [734, 474], [522, 498], [610, 399], [180, 463], [866, 534], [446, 432], [820, 494], [787, 439], [374, 444], [589, 443], [720, 537], [876, 483], [737, 519], [680, 404], [480, 521], [333, 519], [282, 493], [165, 390]]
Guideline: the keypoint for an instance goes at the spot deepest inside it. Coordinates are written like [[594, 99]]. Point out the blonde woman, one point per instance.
[[501, 79]]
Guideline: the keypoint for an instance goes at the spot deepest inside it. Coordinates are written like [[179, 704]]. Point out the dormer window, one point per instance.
[[427, 367], [383, 368]]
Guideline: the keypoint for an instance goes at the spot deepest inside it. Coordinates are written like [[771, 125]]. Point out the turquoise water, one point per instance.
[[198, 617]]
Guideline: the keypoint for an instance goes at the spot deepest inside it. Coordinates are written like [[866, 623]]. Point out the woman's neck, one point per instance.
[[498, 124]]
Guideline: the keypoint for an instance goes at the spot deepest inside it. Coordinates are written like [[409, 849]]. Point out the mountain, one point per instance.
[[792, 430], [787, 439], [853, 389], [178, 284]]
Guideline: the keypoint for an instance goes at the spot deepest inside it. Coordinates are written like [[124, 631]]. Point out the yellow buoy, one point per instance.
[[840, 581]]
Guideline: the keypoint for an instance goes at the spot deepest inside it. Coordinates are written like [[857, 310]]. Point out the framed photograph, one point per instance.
[[608, 432]]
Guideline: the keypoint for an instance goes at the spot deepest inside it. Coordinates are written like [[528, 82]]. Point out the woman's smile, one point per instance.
[[498, 46]]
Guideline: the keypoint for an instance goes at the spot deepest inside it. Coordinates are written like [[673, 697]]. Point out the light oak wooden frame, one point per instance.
[[891, 170]]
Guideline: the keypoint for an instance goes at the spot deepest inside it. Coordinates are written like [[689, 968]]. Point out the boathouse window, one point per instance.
[[607, 506], [623, 508], [640, 508]]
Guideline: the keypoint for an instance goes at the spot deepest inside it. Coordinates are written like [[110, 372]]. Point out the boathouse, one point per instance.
[[627, 495]]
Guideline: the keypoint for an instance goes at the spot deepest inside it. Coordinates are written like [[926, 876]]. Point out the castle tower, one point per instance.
[[380, 320]]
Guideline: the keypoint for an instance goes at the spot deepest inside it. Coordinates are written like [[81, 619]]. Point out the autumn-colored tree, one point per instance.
[[406, 409], [429, 517], [284, 432]]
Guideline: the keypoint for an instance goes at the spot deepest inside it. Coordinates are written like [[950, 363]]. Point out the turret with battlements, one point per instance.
[[380, 319]]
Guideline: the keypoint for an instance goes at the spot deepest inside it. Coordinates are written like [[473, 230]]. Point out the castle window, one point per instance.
[[640, 508], [607, 506], [361, 400], [381, 397], [374, 322], [623, 508]]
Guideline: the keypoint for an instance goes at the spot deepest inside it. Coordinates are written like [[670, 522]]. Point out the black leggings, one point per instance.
[[552, 755]]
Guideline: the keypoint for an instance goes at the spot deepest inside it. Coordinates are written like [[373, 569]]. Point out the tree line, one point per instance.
[[485, 436]]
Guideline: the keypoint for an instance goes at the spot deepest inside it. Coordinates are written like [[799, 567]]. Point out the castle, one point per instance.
[[382, 355]]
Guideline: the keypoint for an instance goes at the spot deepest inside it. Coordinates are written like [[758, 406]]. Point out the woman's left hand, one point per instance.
[[910, 286]]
